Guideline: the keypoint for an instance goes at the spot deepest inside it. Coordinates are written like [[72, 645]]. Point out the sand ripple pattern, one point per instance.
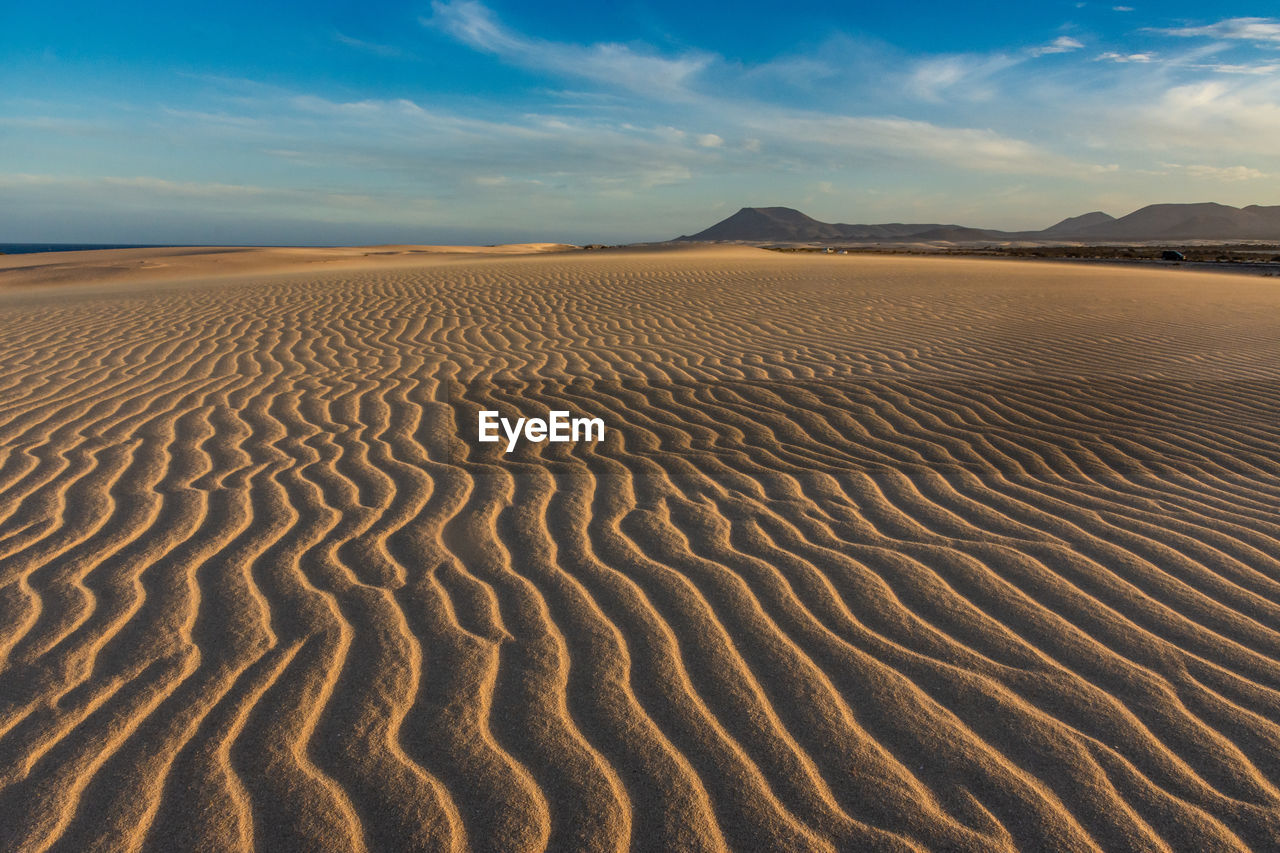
[[891, 554]]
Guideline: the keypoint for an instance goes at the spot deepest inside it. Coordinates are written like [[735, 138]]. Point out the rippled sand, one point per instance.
[[877, 553]]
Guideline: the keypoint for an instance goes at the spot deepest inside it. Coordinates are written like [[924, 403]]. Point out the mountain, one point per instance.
[[1076, 224], [787, 225], [769, 223], [1156, 222], [1205, 221]]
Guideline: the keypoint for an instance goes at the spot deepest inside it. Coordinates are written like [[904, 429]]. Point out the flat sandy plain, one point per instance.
[[877, 553]]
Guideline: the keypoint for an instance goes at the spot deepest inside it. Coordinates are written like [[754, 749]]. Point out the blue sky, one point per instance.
[[346, 122]]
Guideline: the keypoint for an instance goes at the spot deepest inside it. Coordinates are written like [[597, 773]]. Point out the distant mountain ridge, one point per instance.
[[1156, 222]]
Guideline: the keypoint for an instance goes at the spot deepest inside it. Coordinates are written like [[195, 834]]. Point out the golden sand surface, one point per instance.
[[878, 553]]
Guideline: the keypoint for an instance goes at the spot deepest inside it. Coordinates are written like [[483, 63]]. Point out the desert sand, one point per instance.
[[877, 553]]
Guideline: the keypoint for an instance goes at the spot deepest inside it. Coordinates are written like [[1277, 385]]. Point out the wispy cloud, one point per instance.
[[941, 77], [973, 76], [784, 132], [123, 194], [609, 63], [1249, 29], [443, 154], [1235, 113], [1112, 56], [384, 50], [906, 139], [1220, 173], [1258, 70], [150, 186], [1062, 44]]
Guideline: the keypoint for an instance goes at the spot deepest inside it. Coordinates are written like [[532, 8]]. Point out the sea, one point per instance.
[[31, 248]]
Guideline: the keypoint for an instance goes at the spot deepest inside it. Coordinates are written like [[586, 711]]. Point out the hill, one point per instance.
[[1156, 222]]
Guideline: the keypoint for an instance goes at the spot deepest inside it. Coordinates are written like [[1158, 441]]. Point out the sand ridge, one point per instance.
[[878, 553], [124, 266]]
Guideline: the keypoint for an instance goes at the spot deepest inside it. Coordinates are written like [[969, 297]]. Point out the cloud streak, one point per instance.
[[1112, 56], [1062, 44], [609, 64], [1245, 29], [910, 140]]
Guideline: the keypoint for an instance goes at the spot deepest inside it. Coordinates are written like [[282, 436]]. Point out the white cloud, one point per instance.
[[141, 184], [1189, 60], [446, 152], [973, 76], [627, 185], [1256, 70], [898, 138], [157, 197], [1062, 44], [1249, 29], [384, 50], [611, 64], [1121, 8], [1225, 173], [970, 74], [504, 181], [1111, 56], [1238, 113], [785, 131], [1214, 173]]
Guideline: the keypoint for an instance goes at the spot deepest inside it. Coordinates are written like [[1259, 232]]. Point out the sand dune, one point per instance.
[[877, 553], [95, 266]]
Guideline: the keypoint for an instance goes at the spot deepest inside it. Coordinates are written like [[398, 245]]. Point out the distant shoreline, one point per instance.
[[39, 248]]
